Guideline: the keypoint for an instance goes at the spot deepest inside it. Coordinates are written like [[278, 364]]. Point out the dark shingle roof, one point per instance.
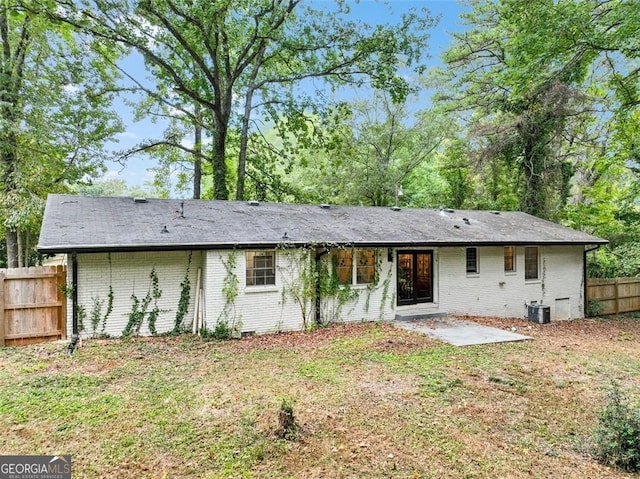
[[81, 223]]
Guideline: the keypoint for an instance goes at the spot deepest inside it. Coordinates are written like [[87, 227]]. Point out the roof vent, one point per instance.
[[325, 206], [395, 208], [181, 210], [449, 210], [456, 227], [138, 199], [164, 230], [466, 221], [495, 212], [253, 203]]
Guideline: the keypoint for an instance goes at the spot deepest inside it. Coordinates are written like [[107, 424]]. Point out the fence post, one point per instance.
[[2, 319], [617, 288]]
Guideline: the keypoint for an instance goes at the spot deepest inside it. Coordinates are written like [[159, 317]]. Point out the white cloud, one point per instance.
[[129, 135]]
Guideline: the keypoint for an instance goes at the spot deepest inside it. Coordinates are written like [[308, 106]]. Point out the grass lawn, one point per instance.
[[371, 401]]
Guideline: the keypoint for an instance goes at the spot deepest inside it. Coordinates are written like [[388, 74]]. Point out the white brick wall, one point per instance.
[[371, 302], [493, 292], [129, 273], [265, 309], [262, 309]]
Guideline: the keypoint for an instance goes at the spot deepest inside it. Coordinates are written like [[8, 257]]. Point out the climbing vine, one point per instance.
[[230, 290], [330, 287], [299, 280], [385, 292], [315, 270], [139, 308], [96, 317], [371, 287], [185, 296]]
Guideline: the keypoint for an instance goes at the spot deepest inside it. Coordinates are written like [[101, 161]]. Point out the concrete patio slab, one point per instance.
[[459, 332]]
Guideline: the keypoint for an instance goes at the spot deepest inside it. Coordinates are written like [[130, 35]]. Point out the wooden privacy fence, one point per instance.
[[33, 306], [614, 295]]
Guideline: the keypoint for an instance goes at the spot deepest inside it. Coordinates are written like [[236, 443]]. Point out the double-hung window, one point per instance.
[[472, 261], [343, 265], [261, 268], [358, 264], [365, 266], [509, 259], [531, 263]]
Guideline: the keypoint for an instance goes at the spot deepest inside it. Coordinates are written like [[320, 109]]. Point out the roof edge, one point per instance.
[[363, 244]]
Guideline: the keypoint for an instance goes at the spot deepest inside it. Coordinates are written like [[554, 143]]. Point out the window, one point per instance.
[[472, 260], [363, 270], [509, 259], [261, 268], [531, 262], [343, 264], [366, 266]]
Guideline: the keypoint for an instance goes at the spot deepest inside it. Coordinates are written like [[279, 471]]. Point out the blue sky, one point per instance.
[[135, 172]]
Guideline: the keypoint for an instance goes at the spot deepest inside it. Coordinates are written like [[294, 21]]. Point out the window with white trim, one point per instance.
[[509, 259], [261, 268], [365, 266], [362, 270], [343, 265], [472, 260], [531, 263]]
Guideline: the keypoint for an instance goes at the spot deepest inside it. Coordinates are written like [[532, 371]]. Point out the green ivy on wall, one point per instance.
[[185, 297], [97, 319], [139, 308], [311, 269], [299, 279], [227, 319]]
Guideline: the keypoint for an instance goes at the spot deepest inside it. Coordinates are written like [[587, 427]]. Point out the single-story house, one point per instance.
[[141, 266]]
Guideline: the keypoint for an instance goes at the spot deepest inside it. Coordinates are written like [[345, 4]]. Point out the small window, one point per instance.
[[261, 268], [343, 265], [509, 259], [472, 260], [531, 262], [365, 266]]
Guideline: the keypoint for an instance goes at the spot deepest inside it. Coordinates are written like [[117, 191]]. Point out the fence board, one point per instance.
[[615, 295], [32, 305], [2, 327]]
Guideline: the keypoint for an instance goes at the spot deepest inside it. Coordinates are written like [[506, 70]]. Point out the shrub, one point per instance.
[[222, 331], [594, 307], [616, 441]]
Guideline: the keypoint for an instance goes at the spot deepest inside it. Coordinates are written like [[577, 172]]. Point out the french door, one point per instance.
[[415, 277]]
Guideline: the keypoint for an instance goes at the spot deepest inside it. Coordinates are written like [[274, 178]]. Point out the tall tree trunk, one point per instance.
[[8, 160], [12, 248], [534, 197], [197, 164], [244, 134], [218, 163], [13, 61], [244, 141], [20, 249], [27, 247]]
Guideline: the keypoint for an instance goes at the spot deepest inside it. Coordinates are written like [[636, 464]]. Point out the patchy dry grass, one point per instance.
[[371, 401]]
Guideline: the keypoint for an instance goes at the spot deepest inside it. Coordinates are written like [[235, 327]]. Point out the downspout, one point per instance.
[[319, 256], [74, 304], [584, 278]]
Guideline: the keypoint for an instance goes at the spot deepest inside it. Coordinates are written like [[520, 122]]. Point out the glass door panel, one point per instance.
[[415, 277], [405, 278]]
